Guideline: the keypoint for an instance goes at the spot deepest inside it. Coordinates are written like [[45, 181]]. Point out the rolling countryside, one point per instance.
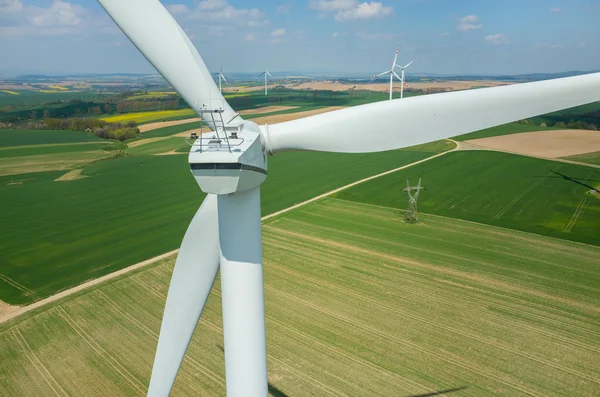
[[358, 303]]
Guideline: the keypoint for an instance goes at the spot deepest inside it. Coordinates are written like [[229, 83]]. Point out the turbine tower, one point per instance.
[[403, 76], [225, 233], [266, 73], [221, 77], [411, 215]]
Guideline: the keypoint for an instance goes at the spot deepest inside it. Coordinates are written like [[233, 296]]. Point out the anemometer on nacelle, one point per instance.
[[232, 158]]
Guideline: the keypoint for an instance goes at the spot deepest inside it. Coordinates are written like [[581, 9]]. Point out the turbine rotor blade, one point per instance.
[[382, 74], [395, 57], [193, 277], [155, 33], [396, 74], [410, 63], [411, 121]]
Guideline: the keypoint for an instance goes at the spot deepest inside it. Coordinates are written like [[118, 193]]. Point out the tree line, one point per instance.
[[100, 128], [572, 125]]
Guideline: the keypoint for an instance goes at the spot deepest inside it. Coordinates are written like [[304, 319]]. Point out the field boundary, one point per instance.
[[11, 312], [462, 146]]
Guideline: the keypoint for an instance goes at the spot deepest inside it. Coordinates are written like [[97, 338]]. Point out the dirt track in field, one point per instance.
[[162, 124], [267, 109], [71, 176], [280, 118], [547, 144]]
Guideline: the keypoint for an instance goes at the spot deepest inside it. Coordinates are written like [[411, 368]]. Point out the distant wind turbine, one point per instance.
[[266, 73], [402, 78], [221, 77], [393, 74]]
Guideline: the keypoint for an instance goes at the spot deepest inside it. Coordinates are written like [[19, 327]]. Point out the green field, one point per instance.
[[44, 137], [358, 303], [590, 158], [161, 146], [58, 234], [506, 129], [501, 189], [35, 98]]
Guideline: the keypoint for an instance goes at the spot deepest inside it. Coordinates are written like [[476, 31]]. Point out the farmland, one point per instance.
[[148, 117], [590, 158], [506, 129], [43, 137], [128, 209], [35, 98], [501, 189], [357, 303]]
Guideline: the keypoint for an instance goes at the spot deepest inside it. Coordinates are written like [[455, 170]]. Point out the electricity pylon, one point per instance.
[[411, 215]]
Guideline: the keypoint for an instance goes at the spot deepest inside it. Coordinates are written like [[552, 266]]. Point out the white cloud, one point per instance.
[[59, 13], [10, 6], [58, 18], [278, 32], [469, 23], [178, 9], [221, 10], [332, 5], [554, 10], [445, 34], [335, 34], [209, 5], [350, 10], [496, 39], [285, 8], [365, 11], [250, 37]]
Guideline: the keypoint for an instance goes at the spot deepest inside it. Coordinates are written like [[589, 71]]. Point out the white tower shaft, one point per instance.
[[242, 292], [402, 85]]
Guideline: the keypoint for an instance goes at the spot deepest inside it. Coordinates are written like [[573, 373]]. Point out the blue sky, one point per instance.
[[468, 36]]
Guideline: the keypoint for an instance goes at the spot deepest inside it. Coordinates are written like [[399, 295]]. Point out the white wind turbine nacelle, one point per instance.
[[225, 233]]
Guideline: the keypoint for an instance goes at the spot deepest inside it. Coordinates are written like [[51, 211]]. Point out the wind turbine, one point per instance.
[[392, 73], [402, 77], [221, 77], [225, 233], [266, 73]]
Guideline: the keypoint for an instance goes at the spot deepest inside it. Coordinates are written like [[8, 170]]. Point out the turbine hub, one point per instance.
[[230, 159]]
